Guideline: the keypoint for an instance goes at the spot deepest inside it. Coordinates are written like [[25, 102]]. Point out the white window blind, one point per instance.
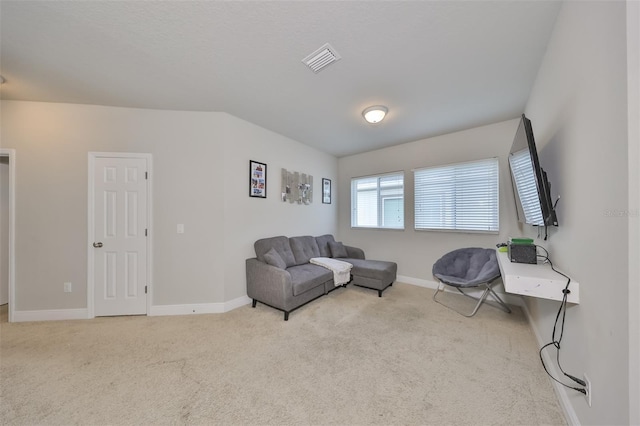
[[526, 187], [378, 201], [460, 197]]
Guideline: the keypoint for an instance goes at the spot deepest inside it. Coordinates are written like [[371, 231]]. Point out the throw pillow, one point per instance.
[[274, 259], [338, 249]]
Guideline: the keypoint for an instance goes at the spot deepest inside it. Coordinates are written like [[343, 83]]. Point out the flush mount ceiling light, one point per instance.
[[375, 114]]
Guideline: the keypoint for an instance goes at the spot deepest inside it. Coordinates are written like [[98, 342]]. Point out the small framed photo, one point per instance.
[[257, 179], [326, 191]]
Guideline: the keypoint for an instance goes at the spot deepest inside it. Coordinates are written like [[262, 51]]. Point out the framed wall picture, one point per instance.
[[257, 179], [326, 191]]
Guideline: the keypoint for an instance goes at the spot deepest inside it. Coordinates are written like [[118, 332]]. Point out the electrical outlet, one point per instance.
[[67, 287], [587, 388], [180, 228]]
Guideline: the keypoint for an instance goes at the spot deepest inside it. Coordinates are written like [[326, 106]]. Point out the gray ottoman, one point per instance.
[[373, 274]]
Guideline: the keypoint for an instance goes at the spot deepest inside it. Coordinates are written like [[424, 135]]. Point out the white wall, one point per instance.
[[633, 89], [247, 219], [200, 179], [416, 251], [578, 107]]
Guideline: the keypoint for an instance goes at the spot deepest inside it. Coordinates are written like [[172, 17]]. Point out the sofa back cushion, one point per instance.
[[338, 249], [304, 248], [323, 244], [279, 244], [273, 258]]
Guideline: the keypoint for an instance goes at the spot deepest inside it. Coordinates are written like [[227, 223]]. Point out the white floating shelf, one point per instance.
[[535, 280]]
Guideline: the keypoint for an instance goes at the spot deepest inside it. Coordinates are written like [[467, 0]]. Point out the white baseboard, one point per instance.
[[417, 281], [199, 308], [510, 299], [157, 310], [50, 315], [205, 308], [236, 303], [570, 414]]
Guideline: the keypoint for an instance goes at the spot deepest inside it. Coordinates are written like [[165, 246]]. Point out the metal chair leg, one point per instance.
[[453, 309], [482, 299], [497, 298]]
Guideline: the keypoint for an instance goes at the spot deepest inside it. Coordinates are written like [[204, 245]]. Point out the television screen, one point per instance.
[[530, 184]]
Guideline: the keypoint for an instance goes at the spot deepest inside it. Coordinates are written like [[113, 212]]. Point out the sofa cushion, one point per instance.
[[373, 269], [273, 258], [308, 276], [280, 244], [323, 245], [338, 249], [304, 248]]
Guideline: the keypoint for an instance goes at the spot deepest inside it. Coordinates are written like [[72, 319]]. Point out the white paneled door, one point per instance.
[[120, 236]]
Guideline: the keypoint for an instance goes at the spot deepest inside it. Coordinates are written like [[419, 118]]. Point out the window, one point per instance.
[[460, 197], [378, 201]]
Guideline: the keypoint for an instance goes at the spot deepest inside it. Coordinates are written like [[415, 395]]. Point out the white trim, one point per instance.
[[236, 303], [199, 308], [150, 231], [570, 414], [510, 299], [190, 309], [91, 224], [49, 315], [11, 153], [417, 282], [90, 235], [158, 310]]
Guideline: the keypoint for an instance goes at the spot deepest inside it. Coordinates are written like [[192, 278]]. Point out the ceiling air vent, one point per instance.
[[321, 58]]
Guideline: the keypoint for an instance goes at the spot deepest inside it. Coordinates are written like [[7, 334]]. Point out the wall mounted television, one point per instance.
[[530, 184]]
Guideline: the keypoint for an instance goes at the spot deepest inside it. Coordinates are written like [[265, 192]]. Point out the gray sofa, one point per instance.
[[281, 276]]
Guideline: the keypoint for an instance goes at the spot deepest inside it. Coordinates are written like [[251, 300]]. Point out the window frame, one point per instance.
[[379, 200], [456, 196]]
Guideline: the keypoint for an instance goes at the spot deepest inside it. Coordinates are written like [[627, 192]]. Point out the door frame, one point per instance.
[[91, 225], [11, 154]]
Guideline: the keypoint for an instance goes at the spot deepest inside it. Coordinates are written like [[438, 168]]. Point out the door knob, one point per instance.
[[97, 245]]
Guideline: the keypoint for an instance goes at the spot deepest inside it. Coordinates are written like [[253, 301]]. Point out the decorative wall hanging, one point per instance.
[[326, 191], [257, 179], [297, 187]]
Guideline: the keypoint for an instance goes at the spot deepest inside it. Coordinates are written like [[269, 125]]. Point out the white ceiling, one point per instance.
[[439, 66]]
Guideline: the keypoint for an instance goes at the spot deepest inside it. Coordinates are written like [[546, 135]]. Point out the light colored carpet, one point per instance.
[[346, 358]]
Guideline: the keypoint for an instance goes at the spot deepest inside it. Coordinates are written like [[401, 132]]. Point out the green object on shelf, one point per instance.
[[503, 249], [521, 240]]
